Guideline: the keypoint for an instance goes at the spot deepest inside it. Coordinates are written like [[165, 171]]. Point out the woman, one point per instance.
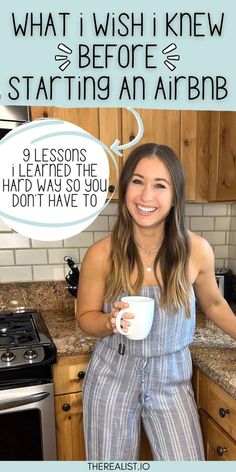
[[150, 253]]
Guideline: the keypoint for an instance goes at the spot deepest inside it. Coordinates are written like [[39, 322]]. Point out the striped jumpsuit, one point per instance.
[[151, 381]]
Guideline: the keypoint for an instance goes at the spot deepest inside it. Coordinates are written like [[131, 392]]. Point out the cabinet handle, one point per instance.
[[223, 412], [186, 141], [81, 375], [45, 114], [66, 407], [131, 138], [221, 450], [111, 188]]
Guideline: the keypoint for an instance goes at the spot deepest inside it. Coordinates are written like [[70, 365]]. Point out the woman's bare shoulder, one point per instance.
[[199, 247], [99, 252]]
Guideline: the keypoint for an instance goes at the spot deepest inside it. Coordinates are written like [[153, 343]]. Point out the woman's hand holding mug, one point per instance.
[[126, 316], [143, 312]]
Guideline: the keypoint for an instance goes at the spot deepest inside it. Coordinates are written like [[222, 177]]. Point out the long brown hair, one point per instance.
[[174, 252]]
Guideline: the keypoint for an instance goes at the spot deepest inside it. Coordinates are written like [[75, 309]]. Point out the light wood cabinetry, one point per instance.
[[69, 424], [217, 412], [222, 183], [160, 126], [110, 130], [187, 133], [103, 124], [86, 118], [205, 142], [68, 376], [194, 153], [218, 445]]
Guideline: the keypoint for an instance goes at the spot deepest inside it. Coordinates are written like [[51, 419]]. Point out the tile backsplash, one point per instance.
[[24, 260]]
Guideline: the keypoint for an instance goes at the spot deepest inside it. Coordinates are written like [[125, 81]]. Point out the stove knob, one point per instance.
[[30, 354], [8, 356]]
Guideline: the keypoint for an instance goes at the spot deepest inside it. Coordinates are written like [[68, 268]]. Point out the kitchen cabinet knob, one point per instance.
[[111, 188], [66, 407], [45, 114], [81, 374], [223, 412], [131, 138], [221, 450], [186, 142]]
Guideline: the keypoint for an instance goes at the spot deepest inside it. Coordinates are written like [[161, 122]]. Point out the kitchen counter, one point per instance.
[[66, 334], [212, 350], [214, 353]]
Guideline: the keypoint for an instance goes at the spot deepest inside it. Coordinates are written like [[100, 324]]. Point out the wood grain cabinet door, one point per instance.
[[194, 153], [69, 427], [160, 126], [104, 124], [218, 445], [69, 373], [222, 183], [86, 118], [187, 133], [109, 131], [218, 404]]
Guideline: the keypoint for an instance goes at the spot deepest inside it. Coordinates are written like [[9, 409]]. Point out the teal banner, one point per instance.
[[165, 55], [68, 466]]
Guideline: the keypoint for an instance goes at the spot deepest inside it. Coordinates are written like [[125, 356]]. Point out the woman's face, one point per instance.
[[149, 195]]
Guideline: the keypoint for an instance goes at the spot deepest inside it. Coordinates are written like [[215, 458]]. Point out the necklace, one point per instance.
[[148, 251], [148, 267]]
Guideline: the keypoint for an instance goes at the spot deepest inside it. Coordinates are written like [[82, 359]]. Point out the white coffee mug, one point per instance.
[[140, 325]]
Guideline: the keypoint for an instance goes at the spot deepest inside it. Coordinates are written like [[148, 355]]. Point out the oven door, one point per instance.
[[27, 423]]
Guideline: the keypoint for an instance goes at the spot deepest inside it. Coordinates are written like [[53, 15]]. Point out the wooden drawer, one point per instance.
[[69, 427], [68, 373], [218, 445], [218, 404]]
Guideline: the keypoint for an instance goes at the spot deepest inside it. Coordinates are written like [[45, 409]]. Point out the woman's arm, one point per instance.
[[207, 292], [91, 290]]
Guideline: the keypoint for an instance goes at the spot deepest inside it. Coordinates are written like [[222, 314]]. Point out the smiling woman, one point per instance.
[[147, 195], [152, 194], [150, 254]]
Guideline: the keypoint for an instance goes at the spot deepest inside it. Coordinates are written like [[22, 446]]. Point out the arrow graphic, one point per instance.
[[117, 147]]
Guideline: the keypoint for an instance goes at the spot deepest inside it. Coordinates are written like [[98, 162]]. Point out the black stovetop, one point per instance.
[[17, 329], [24, 340]]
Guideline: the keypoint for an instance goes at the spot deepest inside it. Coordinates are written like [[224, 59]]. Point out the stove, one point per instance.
[[24, 341], [27, 417]]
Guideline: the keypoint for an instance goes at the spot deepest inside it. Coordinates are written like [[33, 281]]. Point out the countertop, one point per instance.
[[212, 351]]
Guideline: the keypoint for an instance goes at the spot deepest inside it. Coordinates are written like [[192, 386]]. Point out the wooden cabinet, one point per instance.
[[194, 153], [103, 124], [109, 131], [160, 126], [86, 118], [222, 183], [219, 446], [187, 133], [217, 412], [205, 142], [69, 424], [68, 379]]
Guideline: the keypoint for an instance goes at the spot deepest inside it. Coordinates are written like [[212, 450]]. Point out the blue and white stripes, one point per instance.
[[150, 382], [169, 333]]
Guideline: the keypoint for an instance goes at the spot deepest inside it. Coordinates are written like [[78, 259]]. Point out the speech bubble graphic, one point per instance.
[[54, 179]]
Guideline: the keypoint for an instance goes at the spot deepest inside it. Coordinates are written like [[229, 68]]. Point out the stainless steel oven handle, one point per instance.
[[35, 397]]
